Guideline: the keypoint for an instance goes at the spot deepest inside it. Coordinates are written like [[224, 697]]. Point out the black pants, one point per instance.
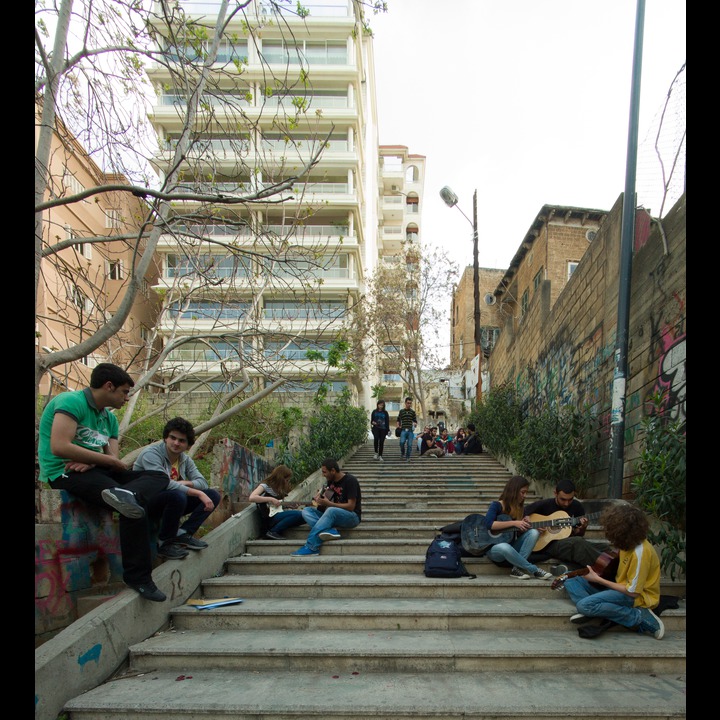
[[169, 507], [134, 533], [379, 439]]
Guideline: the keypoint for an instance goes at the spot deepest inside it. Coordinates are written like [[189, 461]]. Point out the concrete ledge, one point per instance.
[[87, 652]]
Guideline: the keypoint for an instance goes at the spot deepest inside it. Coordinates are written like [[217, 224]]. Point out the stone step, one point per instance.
[[245, 694], [340, 650], [359, 632], [394, 579], [344, 547], [407, 613]]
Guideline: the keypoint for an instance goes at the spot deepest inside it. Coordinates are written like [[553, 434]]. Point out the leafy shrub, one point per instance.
[[333, 430], [660, 485], [498, 420], [556, 444]]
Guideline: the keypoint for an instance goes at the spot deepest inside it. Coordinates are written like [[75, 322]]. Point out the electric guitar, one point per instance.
[[476, 538], [605, 566], [559, 526], [275, 509]]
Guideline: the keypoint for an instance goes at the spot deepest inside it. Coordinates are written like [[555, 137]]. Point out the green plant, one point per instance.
[[332, 431], [556, 444], [498, 420], [660, 484]]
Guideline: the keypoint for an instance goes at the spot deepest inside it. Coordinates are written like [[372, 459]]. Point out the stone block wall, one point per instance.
[[565, 354]]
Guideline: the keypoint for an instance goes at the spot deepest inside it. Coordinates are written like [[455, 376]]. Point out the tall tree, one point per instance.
[[92, 62], [406, 305]]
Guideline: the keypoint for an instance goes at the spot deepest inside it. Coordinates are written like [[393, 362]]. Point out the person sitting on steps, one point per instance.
[[472, 444], [344, 509], [630, 598], [270, 493], [428, 447], [574, 550], [517, 551], [187, 492]]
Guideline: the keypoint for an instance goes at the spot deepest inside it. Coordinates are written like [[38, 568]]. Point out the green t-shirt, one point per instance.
[[95, 428]]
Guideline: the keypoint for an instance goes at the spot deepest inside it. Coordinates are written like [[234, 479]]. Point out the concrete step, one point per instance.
[[371, 613], [346, 546], [245, 694], [341, 650], [359, 632], [384, 582]]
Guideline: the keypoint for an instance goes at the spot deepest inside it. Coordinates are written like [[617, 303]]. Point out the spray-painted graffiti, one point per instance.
[[241, 470], [567, 373], [671, 379]]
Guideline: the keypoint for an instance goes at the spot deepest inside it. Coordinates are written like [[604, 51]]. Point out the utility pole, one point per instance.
[[451, 200], [617, 414]]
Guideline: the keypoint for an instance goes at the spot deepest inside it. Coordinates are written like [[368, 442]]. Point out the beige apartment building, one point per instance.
[[399, 241], [82, 283]]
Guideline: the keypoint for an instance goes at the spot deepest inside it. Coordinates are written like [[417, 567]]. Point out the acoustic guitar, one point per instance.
[[605, 566], [476, 538], [559, 525], [325, 491]]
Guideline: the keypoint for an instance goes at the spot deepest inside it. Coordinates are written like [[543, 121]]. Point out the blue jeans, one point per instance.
[[517, 552], [285, 520], [406, 442], [319, 522], [610, 604]]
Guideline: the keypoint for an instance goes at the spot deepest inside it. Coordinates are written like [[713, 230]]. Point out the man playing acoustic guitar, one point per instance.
[[571, 547]]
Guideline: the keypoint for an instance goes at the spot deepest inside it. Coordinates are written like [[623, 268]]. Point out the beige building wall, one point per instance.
[[82, 285]]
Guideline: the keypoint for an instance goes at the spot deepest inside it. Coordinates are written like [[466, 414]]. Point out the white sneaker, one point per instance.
[[375, 456], [380, 458]]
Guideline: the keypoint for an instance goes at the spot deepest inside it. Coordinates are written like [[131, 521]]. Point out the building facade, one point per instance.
[[82, 283], [262, 290]]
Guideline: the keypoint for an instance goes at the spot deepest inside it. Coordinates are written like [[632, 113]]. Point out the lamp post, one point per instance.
[[451, 200]]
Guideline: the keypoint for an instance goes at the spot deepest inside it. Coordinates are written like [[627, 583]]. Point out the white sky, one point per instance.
[[527, 101]]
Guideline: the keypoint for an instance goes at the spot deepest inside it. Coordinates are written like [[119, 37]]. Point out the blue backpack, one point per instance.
[[443, 559]]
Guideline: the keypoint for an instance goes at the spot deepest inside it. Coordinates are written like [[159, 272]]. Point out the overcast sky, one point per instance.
[[527, 101]]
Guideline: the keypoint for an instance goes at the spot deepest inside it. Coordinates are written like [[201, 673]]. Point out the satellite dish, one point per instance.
[[490, 299]]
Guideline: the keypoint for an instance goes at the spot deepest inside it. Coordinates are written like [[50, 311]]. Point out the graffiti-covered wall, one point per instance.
[[564, 354], [77, 547]]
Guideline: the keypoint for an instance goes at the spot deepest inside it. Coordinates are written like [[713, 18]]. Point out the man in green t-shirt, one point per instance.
[[78, 451]]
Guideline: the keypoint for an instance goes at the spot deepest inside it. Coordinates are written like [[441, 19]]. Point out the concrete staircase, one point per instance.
[[359, 632]]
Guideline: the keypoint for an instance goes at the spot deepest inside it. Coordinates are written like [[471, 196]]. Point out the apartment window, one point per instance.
[[232, 51], [112, 218], [524, 302], [412, 205], [209, 310], [311, 52], [571, 268], [293, 350], [71, 183], [210, 266], [537, 279], [328, 266], [115, 270], [288, 310]]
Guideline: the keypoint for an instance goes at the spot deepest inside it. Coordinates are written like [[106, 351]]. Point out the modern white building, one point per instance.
[[254, 285]]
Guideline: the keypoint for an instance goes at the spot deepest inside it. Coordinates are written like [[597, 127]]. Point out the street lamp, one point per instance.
[[451, 200]]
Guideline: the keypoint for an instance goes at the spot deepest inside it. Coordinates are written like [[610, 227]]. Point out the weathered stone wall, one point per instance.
[[566, 355], [77, 547]]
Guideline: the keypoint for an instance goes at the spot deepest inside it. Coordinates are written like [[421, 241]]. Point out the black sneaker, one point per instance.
[[189, 542], [270, 535], [149, 591], [172, 551], [124, 502]]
